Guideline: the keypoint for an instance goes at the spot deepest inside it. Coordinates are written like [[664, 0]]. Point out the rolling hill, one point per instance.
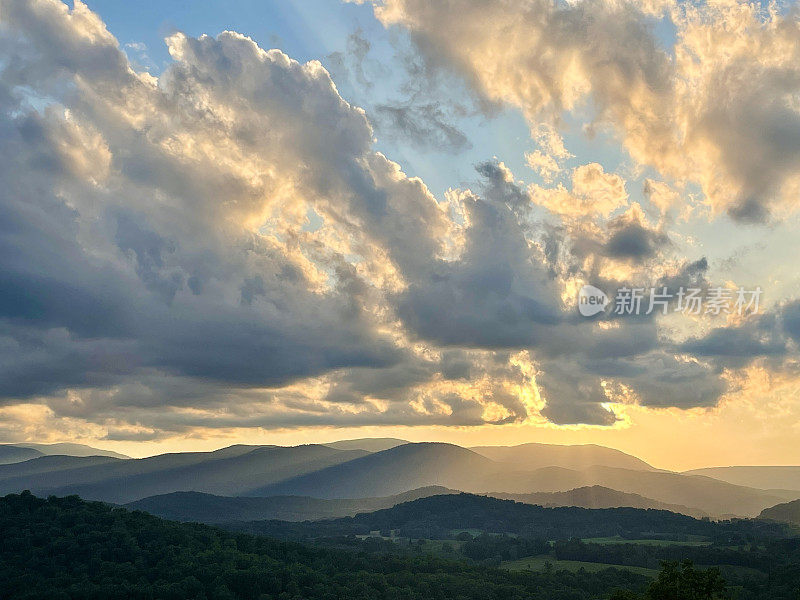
[[414, 466], [469, 511], [717, 498], [765, 478], [208, 508], [50, 464], [229, 471], [14, 454], [444, 516], [535, 456], [390, 472], [597, 496], [68, 548], [70, 449], [323, 472], [788, 512], [19, 452], [367, 444]]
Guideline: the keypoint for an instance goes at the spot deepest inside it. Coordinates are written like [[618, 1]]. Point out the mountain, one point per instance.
[[50, 464], [717, 498], [321, 471], [445, 515], [413, 466], [14, 454], [389, 472], [535, 456], [765, 478], [69, 449], [788, 512], [469, 511], [229, 471], [597, 496], [368, 444], [208, 508]]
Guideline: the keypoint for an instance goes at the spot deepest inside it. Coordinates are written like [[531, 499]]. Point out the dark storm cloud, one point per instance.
[[632, 241], [692, 274], [498, 292], [760, 335], [572, 395], [791, 319]]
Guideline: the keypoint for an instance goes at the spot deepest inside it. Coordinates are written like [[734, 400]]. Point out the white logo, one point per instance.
[[592, 300]]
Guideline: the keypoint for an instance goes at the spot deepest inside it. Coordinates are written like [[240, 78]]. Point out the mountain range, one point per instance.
[[763, 477], [444, 516], [212, 509], [413, 466], [343, 478], [536, 456], [597, 496], [235, 470], [208, 508], [11, 453]]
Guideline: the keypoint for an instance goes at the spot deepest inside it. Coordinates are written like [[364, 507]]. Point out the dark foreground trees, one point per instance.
[[69, 549], [681, 581], [65, 548]]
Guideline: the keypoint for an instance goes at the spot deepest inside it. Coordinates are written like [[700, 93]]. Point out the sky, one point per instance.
[[294, 222]]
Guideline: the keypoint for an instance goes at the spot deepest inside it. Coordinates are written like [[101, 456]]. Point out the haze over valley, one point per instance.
[[349, 478]]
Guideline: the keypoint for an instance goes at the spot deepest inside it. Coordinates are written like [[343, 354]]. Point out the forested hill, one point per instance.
[[439, 516], [788, 512], [69, 549]]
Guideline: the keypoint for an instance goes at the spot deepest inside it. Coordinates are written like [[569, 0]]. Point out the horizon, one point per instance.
[[212, 448]]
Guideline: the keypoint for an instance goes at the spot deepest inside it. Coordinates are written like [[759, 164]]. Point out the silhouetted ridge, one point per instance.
[[208, 508], [389, 472]]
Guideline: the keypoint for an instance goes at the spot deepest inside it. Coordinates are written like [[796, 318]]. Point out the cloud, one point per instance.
[[221, 246], [717, 109], [426, 125], [353, 59], [498, 291], [137, 255], [547, 161], [423, 114], [157, 268], [631, 238], [661, 195], [594, 193], [572, 397], [758, 336]]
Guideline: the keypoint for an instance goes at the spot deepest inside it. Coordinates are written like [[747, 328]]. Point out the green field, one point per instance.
[[472, 532], [537, 563], [653, 542]]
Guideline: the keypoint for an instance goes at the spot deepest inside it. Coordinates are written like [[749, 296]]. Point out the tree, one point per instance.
[[681, 581], [625, 595]]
